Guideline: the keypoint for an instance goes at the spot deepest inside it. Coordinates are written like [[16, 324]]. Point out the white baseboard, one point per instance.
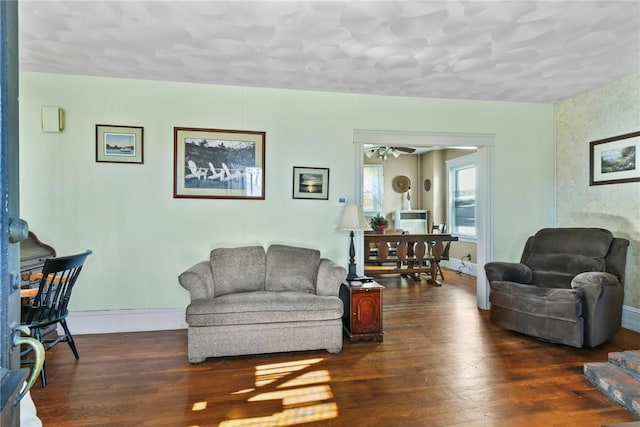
[[111, 321], [457, 265], [631, 318]]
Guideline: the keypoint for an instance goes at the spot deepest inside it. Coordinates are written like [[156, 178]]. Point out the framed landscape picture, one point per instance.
[[310, 183], [218, 163], [615, 160], [119, 144]]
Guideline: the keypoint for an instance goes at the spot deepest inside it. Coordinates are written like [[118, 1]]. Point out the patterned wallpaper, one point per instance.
[[608, 111]]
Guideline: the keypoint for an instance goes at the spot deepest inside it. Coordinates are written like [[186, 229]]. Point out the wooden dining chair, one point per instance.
[[49, 306], [438, 228], [443, 256]]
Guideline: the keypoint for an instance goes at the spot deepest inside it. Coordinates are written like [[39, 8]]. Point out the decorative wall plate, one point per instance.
[[427, 184], [401, 184]]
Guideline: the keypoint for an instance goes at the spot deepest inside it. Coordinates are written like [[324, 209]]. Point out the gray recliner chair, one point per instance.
[[567, 288]]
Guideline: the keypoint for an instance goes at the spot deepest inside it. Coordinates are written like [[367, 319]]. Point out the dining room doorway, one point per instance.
[[484, 143]]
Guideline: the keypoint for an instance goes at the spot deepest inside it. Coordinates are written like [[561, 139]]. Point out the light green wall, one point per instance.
[[608, 111], [142, 238]]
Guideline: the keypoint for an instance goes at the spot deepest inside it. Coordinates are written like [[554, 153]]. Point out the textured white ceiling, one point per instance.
[[537, 51]]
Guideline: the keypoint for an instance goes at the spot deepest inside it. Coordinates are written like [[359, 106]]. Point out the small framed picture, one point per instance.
[[310, 183], [615, 160], [119, 144], [218, 163]]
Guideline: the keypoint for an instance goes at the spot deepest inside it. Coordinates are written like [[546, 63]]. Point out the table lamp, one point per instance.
[[353, 220]]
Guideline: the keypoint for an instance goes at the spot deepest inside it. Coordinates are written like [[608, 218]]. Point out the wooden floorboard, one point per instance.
[[441, 364]]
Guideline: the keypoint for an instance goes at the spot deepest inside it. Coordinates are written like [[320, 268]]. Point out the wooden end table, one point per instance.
[[362, 318]]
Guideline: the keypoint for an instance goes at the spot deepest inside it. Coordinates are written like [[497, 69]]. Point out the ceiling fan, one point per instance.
[[383, 152]]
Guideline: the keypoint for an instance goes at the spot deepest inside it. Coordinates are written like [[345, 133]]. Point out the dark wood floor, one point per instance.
[[441, 364]]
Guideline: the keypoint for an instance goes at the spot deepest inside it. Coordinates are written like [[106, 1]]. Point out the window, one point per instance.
[[373, 183], [461, 196]]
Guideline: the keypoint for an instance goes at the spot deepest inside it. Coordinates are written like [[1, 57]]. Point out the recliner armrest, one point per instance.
[[508, 271], [330, 277], [198, 280], [594, 279], [602, 299]]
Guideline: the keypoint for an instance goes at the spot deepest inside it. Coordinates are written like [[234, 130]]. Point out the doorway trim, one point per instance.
[[485, 172]]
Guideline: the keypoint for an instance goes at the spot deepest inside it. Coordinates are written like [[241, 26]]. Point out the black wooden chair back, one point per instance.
[[49, 306], [59, 275]]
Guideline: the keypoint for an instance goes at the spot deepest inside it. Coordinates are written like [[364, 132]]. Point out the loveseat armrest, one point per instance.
[[602, 300], [198, 280], [330, 277], [508, 271]]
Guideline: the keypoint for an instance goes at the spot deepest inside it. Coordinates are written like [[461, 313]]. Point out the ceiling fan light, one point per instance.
[[466, 147], [370, 153], [396, 153]]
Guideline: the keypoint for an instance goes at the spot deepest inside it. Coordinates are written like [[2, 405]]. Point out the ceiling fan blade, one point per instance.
[[405, 149]]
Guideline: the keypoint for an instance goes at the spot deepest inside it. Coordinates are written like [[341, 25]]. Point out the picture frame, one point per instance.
[[310, 183], [119, 144], [218, 163], [614, 160]]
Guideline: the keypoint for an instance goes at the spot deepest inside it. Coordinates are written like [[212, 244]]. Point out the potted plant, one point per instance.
[[378, 223]]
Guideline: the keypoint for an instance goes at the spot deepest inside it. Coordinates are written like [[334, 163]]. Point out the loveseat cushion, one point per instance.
[[238, 269], [292, 268], [263, 307]]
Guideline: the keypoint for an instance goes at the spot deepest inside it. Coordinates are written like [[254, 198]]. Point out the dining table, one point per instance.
[[407, 254]]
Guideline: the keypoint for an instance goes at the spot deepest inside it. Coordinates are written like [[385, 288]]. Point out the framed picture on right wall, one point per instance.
[[615, 160]]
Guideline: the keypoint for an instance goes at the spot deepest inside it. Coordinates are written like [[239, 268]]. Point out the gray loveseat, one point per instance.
[[246, 301], [567, 288]]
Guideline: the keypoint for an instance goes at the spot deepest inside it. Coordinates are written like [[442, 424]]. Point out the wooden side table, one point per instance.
[[362, 318]]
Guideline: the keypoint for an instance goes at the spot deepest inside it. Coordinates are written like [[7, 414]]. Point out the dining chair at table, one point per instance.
[[443, 256], [49, 306], [440, 229]]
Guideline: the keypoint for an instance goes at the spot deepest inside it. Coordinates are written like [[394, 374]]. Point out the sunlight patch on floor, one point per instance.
[[267, 374], [304, 393], [315, 377], [199, 406], [245, 391], [289, 417], [297, 396]]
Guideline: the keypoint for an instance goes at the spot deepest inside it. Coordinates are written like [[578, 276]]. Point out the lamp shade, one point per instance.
[[353, 219]]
